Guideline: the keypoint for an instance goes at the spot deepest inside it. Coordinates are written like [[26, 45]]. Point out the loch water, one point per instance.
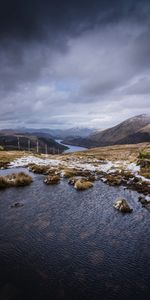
[[66, 244], [71, 148]]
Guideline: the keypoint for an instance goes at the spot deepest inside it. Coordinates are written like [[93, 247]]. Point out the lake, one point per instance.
[[71, 148], [65, 244]]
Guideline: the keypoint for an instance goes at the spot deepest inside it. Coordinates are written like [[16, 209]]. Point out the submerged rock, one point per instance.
[[52, 179], [122, 205], [17, 204]]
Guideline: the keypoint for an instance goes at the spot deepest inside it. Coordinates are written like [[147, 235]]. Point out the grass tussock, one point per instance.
[[52, 179], [144, 155], [14, 180], [71, 172], [145, 172], [82, 185], [38, 169]]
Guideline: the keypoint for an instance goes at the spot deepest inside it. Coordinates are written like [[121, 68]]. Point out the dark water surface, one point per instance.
[[64, 244]]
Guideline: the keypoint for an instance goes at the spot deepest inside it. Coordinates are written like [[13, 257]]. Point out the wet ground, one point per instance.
[[65, 244]]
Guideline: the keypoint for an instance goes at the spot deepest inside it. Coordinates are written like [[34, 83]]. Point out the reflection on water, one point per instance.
[[67, 245]]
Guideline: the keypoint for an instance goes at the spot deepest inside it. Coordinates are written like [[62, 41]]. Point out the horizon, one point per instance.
[[75, 127], [71, 64]]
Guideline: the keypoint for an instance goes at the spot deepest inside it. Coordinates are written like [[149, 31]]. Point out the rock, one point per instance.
[[122, 205], [82, 184], [72, 180], [143, 201], [52, 179], [17, 204]]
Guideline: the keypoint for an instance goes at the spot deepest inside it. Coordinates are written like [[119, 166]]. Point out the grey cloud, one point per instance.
[[141, 86], [61, 60]]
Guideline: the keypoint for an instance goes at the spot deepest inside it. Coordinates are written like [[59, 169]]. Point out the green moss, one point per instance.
[[144, 155]]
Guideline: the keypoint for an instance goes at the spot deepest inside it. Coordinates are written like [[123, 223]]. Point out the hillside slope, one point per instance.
[[142, 135], [129, 131], [11, 140]]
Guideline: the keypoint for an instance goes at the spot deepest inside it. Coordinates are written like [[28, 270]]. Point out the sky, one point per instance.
[[69, 63]]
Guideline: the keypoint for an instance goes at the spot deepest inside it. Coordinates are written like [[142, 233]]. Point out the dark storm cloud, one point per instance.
[[31, 18], [60, 60]]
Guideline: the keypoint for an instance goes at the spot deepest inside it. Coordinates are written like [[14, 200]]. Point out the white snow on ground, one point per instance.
[[133, 168], [107, 166], [25, 160]]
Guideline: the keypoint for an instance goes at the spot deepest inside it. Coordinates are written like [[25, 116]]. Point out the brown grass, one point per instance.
[[38, 169], [9, 156], [118, 152], [71, 172], [145, 172], [52, 179], [83, 184], [14, 180]]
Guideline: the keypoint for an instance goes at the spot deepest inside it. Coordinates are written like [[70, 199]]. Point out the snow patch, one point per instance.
[[24, 161]]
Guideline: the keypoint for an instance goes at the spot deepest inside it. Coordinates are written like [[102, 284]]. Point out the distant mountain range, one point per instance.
[[131, 131], [59, 133], [44, 139]]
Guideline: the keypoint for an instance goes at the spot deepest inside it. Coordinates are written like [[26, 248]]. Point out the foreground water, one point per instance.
[[64, 244]]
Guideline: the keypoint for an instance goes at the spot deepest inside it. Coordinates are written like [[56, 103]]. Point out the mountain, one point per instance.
[[129, 131], [141, 136], [12, 140], [59, 133], [121, 131]]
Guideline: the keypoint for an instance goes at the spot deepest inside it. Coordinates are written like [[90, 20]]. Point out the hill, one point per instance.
[[57, 133], [42, 143], [132, 130]]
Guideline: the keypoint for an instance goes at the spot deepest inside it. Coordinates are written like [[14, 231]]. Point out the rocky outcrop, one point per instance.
[[123, 206]]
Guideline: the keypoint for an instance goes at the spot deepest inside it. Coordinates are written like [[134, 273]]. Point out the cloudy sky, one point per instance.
[[66, 63]]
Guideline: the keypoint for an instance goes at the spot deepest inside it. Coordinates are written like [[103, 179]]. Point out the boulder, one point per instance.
[[122, 205]]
